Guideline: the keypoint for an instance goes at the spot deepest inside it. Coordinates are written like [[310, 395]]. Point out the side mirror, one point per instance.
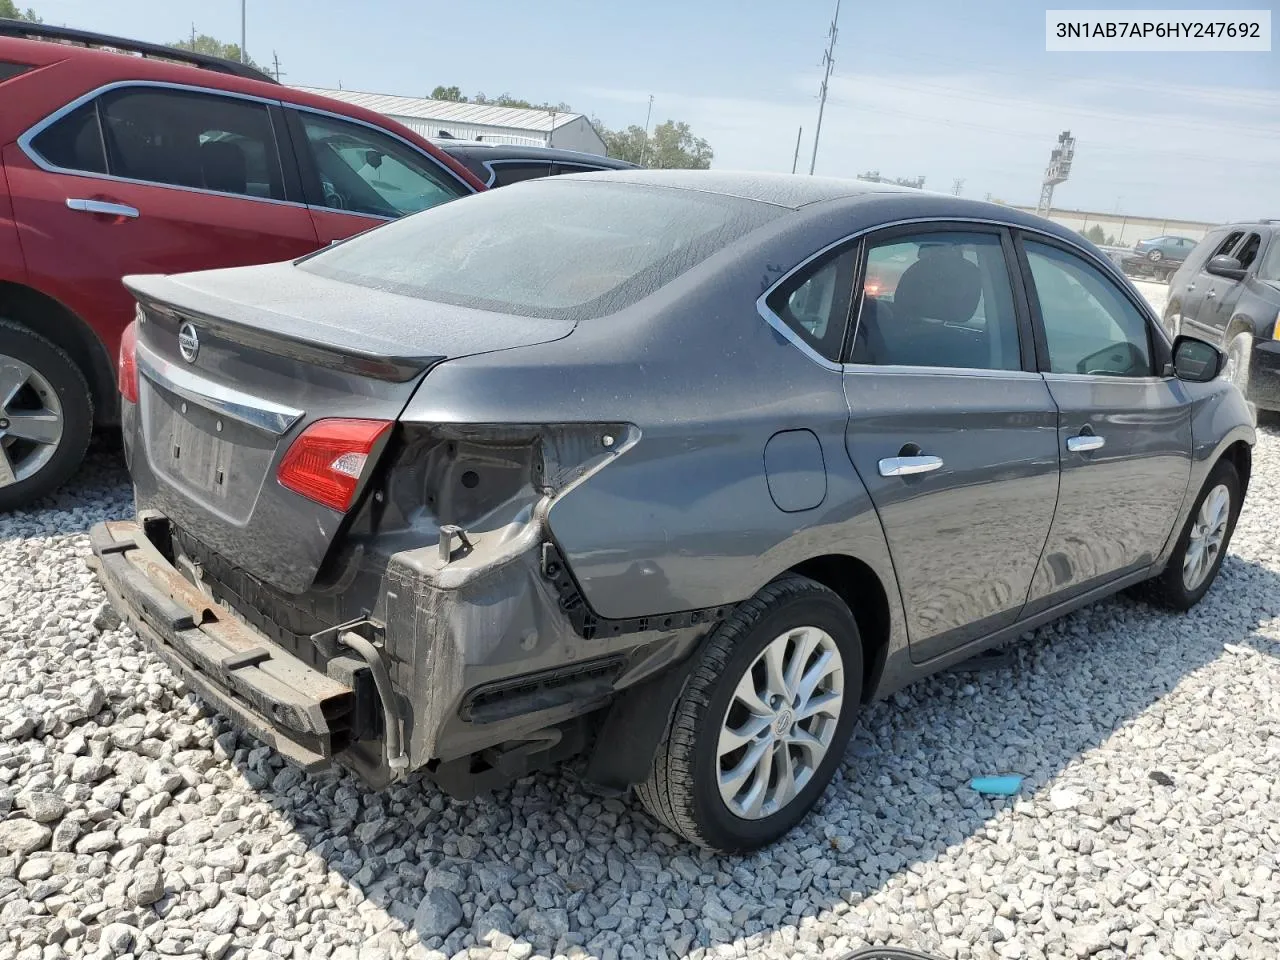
[[1196, 361], [1224, 266]]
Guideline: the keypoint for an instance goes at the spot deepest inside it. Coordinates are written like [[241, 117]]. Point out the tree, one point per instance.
[[211, 46], [10, 10], [1096, 234], [448, 93], [671, 146]]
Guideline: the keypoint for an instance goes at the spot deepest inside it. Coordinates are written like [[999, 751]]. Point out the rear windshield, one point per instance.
[[562, 249]]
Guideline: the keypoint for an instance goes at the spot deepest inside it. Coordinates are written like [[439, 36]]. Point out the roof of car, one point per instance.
[[781, 189], [859, 204]]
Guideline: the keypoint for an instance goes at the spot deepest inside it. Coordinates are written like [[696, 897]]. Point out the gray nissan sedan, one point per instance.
[[667, 473]]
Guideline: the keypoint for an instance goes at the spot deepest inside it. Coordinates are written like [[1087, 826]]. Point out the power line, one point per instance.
[[1248, 98], [828, 61], [1039, 137], [1199, 128]]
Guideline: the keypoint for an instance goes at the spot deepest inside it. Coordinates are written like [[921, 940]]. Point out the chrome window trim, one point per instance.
[[915, 370], [357, 213], [780, 325], [24, 141], [274, 418], [582, 166], [304, 108], [493, 174], [1103, 378]]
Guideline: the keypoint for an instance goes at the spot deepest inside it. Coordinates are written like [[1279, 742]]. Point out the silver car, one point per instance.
[[668, 472]]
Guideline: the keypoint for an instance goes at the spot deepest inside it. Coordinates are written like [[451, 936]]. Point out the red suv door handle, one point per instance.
[[105, 207]]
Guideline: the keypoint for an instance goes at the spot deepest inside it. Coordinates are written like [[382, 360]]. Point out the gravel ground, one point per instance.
[[132, 821]]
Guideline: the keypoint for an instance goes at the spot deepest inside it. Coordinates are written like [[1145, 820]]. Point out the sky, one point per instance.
[[936, 88]]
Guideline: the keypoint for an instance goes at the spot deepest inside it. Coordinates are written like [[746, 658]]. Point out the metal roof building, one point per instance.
[[478, 121]]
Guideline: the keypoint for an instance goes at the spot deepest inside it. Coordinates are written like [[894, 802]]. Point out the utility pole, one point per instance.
[[644, 148], [796, 159], [957, 185], [193, 35], [275, 60], [827, 62], [551, 131], [244, 56]]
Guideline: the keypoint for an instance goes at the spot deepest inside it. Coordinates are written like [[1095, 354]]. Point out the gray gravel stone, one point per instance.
[[41, 806], [147, 885], [23, 836], [438, 914]]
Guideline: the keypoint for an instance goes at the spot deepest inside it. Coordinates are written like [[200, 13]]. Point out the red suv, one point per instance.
[[146, 159]]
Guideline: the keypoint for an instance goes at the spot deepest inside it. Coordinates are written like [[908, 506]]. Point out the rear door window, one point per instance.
[[938, 300], [186, 139], [365, 171]]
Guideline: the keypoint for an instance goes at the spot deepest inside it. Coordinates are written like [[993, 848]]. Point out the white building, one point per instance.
[[477, 121]]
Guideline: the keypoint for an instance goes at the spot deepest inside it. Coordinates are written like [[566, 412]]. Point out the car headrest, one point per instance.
[[223, 166], [941, 285]]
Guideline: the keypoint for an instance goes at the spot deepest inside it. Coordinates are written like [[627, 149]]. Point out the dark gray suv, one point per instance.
[[1228, 292], [666, 471]]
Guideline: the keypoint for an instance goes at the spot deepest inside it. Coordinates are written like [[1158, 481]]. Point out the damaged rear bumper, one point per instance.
[[307, 716]]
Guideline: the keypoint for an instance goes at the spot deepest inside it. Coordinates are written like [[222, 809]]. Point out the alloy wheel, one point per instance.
[[1207, 535], [30, 421], [780, 722]]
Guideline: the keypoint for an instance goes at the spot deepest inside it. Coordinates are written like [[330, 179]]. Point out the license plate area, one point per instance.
[[215, 460]]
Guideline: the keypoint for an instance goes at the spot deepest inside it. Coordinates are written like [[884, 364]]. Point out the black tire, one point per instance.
[[1169, 588], [72, 392], [682, 790]]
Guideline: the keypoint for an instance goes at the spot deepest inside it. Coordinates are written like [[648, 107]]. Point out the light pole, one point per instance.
[[244, 57], [644, 148]]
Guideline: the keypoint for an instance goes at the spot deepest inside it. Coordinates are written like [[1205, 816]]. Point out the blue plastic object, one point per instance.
[[997, 786]]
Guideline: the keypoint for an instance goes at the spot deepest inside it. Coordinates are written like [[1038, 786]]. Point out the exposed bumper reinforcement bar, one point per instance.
[[302, 713]]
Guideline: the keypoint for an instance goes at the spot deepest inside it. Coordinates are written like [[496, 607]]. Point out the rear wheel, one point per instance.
[[1200, 549], [763, 721], [1155, 256], [46, 416]]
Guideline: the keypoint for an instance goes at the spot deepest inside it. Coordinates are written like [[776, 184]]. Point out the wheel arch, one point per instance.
[[1240, 323], [857, 584], [53, 320], [1240, 455]]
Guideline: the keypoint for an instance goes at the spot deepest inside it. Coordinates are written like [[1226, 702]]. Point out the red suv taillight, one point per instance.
[[327, 461], [127, 363]]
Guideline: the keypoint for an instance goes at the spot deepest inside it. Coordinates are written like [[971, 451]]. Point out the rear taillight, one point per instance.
[[127, 363], [328, 460]]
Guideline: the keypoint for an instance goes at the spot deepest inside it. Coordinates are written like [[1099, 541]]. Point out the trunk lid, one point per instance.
[[235, 364]]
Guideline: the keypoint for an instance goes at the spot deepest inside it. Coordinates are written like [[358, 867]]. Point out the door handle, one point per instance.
[[103, 206], [1085, 442], [908, 466], [1211, 294], [1191, 286]]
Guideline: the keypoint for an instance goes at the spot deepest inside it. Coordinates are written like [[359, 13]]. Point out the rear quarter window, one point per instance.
[[9, 70], [551, 248]]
